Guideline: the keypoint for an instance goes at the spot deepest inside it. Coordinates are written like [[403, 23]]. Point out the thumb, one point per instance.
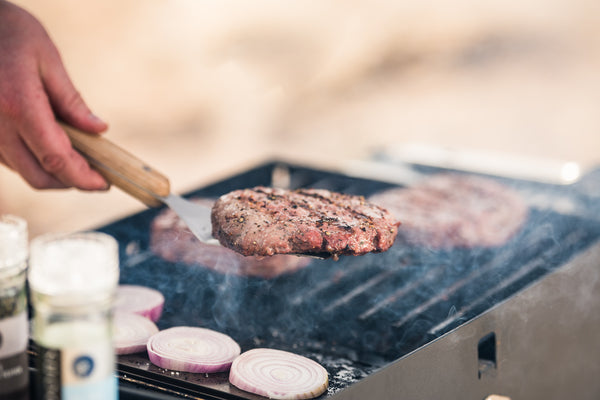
[[64, 98]]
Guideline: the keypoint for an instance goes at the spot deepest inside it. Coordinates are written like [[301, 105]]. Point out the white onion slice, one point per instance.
[[131, 332], [278, 374], [192, 349], [140, 300]]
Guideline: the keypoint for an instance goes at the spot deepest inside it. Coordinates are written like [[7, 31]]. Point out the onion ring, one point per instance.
[[192, 349], [131, 332], [140, 300], [278, 374]]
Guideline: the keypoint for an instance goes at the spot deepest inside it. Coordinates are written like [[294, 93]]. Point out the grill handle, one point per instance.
[[120, 167]]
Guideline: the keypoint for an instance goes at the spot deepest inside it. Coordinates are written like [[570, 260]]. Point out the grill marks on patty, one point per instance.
[[266, 221]]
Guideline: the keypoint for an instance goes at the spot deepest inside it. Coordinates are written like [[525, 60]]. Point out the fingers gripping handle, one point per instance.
[[120, 168]]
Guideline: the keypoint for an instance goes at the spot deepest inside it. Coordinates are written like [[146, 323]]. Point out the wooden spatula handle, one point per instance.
[[120, 167]]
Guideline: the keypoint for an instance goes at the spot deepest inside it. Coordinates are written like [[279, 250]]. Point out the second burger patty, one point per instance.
[[264, 221]]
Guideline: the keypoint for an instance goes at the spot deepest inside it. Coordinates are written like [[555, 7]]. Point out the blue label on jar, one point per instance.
[[83, 366], [77, 373]]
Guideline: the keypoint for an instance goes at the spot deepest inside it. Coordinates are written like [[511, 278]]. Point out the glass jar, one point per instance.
[[73, 280], [14, 372]]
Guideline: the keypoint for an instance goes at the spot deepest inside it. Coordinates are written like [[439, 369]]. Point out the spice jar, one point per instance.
[[73, 280], [14, 372]]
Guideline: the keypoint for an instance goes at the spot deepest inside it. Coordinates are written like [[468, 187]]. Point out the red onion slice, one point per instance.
[[192, 349], [278, 374], [131, 332], [140, 300]]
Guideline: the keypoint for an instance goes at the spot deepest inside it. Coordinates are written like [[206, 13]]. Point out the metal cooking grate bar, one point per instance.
[[404, 290], [519, 274], [536, 236], [359, 290], [326, 283]]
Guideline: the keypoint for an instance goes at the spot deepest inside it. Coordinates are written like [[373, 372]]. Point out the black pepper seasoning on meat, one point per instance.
[[298, 221]]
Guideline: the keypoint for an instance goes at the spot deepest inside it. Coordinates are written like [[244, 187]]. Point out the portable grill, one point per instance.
[[519, 321]]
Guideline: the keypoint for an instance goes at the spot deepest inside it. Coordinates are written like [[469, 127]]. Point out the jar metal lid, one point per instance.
[[76, 264]]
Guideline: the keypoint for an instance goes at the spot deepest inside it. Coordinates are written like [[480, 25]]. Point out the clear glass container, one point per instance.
[[14, 373], [73, 280]]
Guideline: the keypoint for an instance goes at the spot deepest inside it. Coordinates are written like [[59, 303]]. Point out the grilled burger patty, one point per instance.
[[265, 221], [171, 239], [455, 210]]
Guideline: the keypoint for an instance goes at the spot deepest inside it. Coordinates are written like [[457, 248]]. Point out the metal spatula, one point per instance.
[[138, 179]]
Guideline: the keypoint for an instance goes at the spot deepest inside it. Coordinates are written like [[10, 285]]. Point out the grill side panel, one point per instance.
[[546, 344]]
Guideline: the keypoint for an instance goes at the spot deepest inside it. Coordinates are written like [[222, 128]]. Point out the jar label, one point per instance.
[[14, 372], [77, 373], [13, 335]]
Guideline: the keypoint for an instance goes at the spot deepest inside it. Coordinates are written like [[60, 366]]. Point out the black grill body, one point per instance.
[[520, 320]]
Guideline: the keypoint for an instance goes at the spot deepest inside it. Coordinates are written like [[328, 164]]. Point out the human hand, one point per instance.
[[35, 91]]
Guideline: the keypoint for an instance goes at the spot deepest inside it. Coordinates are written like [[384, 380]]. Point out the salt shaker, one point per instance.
[[73, 280]]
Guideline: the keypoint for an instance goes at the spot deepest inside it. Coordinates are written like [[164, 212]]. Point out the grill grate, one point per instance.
[[353, 316]]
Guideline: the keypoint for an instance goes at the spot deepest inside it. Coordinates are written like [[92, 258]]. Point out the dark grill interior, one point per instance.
[[354, 315]]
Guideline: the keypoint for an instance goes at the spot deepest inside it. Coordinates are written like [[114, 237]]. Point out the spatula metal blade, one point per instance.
[[195, 216]]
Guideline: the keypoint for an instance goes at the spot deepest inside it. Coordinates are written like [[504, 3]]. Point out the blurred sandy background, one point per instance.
[[203, 89]]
